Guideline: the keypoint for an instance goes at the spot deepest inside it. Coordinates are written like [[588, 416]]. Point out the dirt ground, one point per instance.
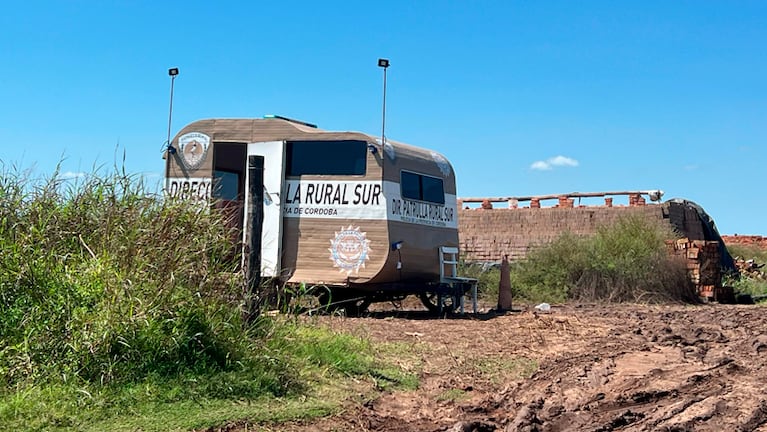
[[578, 367]]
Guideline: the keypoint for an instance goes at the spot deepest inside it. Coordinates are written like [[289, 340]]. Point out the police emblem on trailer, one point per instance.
[[194, 148], [349, 250]]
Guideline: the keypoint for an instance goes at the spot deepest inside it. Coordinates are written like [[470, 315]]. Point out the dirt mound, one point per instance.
[[596, 368]]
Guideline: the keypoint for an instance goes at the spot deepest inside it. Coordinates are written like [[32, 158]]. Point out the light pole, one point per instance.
[[173, 72], [383, 63]]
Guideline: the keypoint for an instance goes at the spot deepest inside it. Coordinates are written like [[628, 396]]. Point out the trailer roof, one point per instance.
[[280, 129]]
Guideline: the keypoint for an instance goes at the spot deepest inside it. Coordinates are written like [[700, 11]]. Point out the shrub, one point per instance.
[[102, 281], [488, 277], [626, 261], [548, 272], [629, 261], [751, 283]]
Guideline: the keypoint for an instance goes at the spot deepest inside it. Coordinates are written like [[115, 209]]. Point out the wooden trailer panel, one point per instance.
[[334, 252]]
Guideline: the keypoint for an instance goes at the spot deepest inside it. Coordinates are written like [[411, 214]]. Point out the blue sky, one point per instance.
[[533, 97]]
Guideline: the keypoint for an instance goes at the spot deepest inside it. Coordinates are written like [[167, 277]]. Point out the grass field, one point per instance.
[[120, 310]]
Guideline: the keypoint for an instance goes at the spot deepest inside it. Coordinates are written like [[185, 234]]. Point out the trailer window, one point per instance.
[[326, 158], [226, 185], [411, 185], [432, 189], [422, 187]]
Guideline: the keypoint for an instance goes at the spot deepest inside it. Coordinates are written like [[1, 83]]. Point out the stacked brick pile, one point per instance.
[[565, 202], [703, 267], [750, 269], [636, 200]]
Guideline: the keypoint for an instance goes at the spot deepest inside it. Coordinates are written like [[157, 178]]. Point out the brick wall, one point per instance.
[[488, 234], [748, 240]]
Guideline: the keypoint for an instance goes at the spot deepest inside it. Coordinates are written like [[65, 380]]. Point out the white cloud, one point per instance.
[[556, 161], [563, 161]]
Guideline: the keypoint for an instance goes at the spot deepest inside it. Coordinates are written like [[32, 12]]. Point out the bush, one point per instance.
[[630, 261], [627, 261], [749, 283], [101, 281], [548, 272], [487, 276]]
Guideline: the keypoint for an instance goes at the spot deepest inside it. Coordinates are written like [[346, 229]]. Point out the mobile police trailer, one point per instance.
[[369, 220]]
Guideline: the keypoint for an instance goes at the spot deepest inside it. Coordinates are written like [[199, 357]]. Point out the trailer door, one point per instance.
[[266, 168]]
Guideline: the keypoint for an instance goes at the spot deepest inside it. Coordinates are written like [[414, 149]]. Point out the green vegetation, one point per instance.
[[487, 279], [748, 252], [120, 310], [627, 261], [747, 283], [756, 288]]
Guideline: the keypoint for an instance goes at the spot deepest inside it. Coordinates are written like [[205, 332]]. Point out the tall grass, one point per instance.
[[624, 262], [107, 289], [101, 281]]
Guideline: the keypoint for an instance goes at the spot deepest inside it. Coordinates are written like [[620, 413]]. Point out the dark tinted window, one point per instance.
[[326, 158], [422, 187], [433, 189], [226, 185], [411, 185]]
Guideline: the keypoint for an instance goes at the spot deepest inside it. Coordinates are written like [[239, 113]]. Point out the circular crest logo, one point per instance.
[[349, 250], [193, 148]]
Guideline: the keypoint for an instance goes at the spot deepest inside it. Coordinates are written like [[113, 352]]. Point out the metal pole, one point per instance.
[[383, 115], [170, 111]]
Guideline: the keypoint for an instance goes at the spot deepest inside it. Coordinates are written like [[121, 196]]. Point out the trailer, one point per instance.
[[363, 219]]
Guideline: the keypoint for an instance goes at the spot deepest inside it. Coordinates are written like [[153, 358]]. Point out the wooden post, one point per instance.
[[255, 215], [504, 286]]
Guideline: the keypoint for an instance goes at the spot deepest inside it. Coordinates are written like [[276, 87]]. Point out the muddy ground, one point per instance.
[[578, 367]]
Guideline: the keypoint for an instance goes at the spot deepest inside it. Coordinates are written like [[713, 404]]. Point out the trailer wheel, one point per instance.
[[430, 300]]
